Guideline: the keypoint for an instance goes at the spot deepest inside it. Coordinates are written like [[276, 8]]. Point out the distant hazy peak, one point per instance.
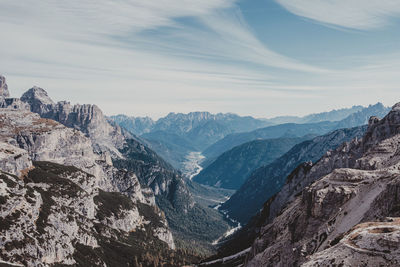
[[333, 115]]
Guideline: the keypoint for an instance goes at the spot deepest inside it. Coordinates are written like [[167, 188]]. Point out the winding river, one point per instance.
[[191, 166]]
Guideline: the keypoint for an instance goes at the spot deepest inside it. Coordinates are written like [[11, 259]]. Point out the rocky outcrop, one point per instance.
[[88, 119], [14, 103], [47, 217], [357, 183], [48, 140], [14, 160], [367, 244], [38, 100], [6, 101], [106, 139], [3, 88], [26, 137]]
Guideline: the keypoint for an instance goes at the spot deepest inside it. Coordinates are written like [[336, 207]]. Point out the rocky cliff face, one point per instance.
[[14, 160], [357, 183], [48, 217], [62, 199], [106, 138], [88, 119], [368, 244], [3, 88]]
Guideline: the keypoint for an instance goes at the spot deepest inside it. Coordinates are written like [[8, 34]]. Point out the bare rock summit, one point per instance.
[[3, 87]]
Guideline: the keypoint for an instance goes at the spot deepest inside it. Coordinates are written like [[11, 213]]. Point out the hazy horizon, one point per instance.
[[156, 117]]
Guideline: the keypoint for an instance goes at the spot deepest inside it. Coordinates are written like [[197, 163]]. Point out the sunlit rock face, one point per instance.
[[3, 87], [88, 119], [61, 197], [368, 244], [14, 160], [48, 217], [49, 209]]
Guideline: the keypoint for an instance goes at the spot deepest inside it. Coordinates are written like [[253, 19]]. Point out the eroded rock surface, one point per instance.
[[3, 87], [47, 217], [62, 200], [367, 244]]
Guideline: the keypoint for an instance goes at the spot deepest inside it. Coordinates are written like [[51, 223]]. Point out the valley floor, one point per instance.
[[191, 166]]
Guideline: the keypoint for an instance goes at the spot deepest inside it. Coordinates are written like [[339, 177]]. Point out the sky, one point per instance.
[[262, 58]]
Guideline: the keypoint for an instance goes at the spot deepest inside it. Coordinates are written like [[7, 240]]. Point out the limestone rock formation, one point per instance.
[[38, 100], [367, 244], [62, 199], [3, 88], [47, 217], [88, 119], [14, 160]]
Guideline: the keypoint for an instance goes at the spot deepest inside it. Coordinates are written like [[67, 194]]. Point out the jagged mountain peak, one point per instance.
[[396, 107], [380, 129], [37, 94]]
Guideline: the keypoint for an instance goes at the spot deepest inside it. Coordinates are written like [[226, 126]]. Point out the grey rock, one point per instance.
[[3, 88], [25, 136], [14, 160], [51, 219], [371, 244], [13, 103], [38, 100]]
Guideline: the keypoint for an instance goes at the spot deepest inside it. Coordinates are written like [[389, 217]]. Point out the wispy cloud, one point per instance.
[[355, 14], [152, 57], [135, 47], [105, 16]]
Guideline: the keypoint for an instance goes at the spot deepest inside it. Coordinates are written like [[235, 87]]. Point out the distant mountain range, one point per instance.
[[360, 117], [333, 115], [177, 134]]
